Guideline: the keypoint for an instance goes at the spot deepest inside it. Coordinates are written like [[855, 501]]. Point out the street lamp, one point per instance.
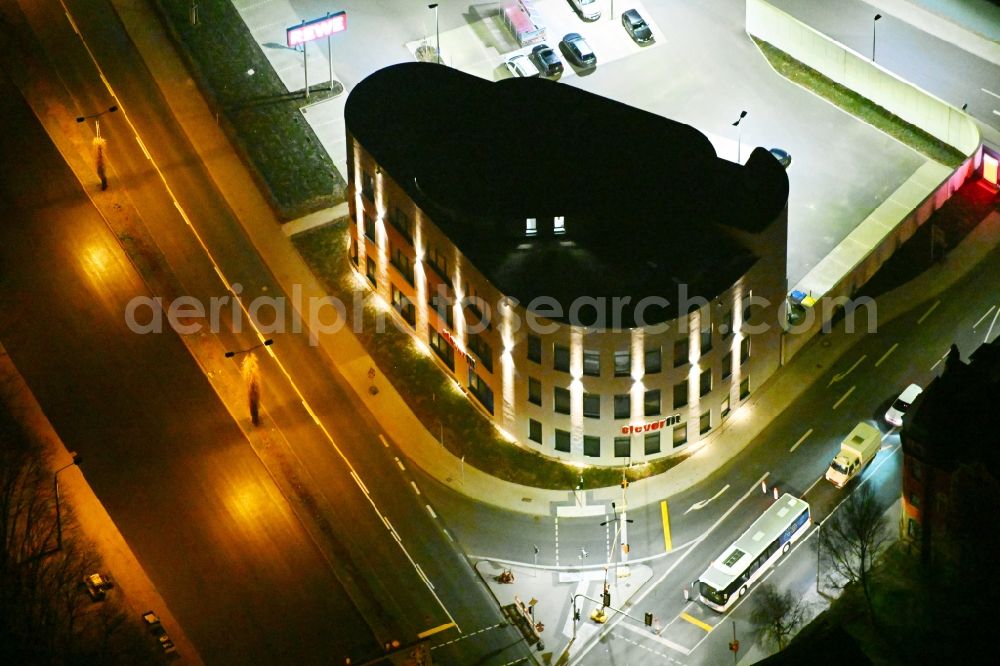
[[437, 32], [739, 136], [99, 143], [55, 487], [265, 343], [251, 374], [97, 116], [874, 21]]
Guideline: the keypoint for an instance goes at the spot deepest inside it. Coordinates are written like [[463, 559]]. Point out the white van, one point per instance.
[[589, 10]]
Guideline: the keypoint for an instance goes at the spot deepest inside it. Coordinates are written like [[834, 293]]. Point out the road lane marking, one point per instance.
[[431, 511], [668, 544], [943, 357], [654, 637], [803, 495], [697, 506], [990, 92], [844, 397], [696, 622], [886, 355], [996, 112], [616, 620], [424, 576], [987, 314], [143, 147], [357, 480], [437, 630], [801, 439], [929, 311], [415, 489], [382, 439], [836, 378], [992, 324], [309, 411], [400, 463]]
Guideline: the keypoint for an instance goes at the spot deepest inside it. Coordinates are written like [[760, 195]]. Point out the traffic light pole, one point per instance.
[[576, 613]]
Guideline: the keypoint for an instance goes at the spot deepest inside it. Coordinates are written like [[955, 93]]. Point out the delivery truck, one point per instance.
[[856, 451]]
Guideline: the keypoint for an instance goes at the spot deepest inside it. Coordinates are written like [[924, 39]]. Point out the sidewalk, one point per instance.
[[388, 407], [131, 582]]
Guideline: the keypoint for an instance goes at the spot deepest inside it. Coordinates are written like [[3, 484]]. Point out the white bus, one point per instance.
[[771, 535]]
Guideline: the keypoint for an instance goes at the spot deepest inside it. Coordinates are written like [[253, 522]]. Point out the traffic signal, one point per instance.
[[606, 598]]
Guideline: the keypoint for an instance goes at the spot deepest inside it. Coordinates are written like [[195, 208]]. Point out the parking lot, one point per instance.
[[702, 70]]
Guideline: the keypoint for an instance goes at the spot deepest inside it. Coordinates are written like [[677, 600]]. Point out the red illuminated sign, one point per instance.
[[652, 426], [316, 29]]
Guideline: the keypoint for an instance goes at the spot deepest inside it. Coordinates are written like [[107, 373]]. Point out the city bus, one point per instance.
[[746, 560]]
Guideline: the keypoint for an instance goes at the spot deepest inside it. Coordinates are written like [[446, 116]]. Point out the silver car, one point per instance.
[[521, 66]]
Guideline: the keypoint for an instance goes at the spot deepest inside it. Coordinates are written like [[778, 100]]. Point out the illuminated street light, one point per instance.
[[874, 21], [739, 135], [437, 32], [251, 374], [99, 143], [266, 343], [55, 484]]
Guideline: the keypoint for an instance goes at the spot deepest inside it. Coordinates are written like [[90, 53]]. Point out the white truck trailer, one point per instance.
[[856, 451]]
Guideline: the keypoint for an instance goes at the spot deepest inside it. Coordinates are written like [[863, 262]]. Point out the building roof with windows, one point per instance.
[[646, 202]]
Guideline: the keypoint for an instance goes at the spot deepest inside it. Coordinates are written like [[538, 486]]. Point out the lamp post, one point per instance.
[[251, 374], [874, 21], [739, 136], [55, 488], [437, 33], [99, 142]]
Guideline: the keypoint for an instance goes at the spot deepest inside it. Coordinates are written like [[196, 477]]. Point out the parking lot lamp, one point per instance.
[[739, 136], [437, 32], [874, 21]]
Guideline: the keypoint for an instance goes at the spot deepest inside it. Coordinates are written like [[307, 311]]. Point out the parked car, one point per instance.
[[547, 60], [589, 10], [579, 51], [521, 65], [97, 585], [894, 416], [636, 26], [783, 156]]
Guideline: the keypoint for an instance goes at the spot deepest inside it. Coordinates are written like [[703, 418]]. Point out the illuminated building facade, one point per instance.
[[598, 281]]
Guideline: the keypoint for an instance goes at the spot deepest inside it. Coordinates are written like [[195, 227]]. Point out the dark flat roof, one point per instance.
[[641, 194]]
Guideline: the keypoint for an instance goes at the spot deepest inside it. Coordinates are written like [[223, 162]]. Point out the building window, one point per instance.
[[680, 435], [725, 407], [745, 308], [482, 350], [559, 225], [912, 528], [562, 440], [623, 363], [403, 264], [561, 400], [535, 430], [403, 306], [370, 270], [651, 402], [744, 350], [531, 227], [441, 347], [705, 381], [727, 365], [623, 406], [914, 500], [706, 338], [680, 394], [534, 391], [481, 390], [654, 361], [534, 348], [354, 252], [560, 358], [368, 185], [623, 447], [402, 223], [680, 352], [651, 443], [726, 329], [369, 225], [705, 423], [591, 363], [744, 388], [472, 303], [439, 262], [441, 303], [592, 446], [592, 405]]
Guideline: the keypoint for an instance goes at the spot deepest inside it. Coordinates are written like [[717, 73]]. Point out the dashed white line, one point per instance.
[[929, 311], [992, 324], [382, 439], [659, 639], [844, 397], [361, 484], [400, 463], [990, 92], [987, 314], [431, 511], [886, 355], [801, 439], [415, 489]]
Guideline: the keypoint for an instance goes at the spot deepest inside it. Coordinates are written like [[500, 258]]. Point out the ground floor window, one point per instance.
[[744, 388], [592, 446], [441, 347], [651, 443], [725, 407], [623, 447], [370, 270], [479, 388], [562, 440], [535, 430], [705, 423], [680, 435], [403, 306]]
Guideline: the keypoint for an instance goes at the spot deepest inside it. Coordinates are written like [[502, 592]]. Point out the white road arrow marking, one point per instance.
[[839, 376], [701, 505]]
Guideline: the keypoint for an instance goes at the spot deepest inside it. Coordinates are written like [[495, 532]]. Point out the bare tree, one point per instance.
[[852, 539], [777, 615]]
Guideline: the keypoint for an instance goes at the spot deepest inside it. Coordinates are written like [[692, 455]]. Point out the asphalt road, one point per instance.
[[159, 449], [404, 580]]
